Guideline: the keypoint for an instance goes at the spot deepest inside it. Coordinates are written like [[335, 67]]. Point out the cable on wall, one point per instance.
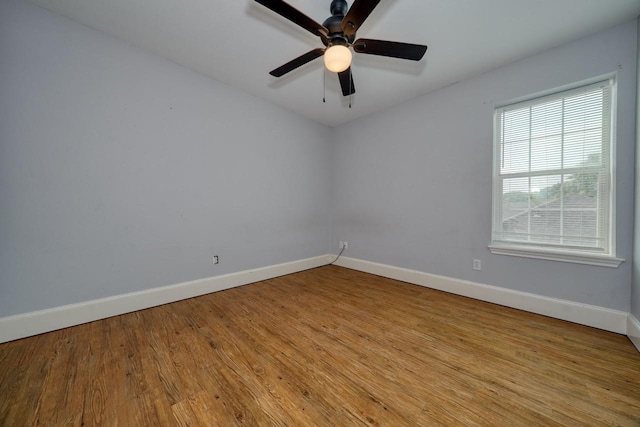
[[342, 250]]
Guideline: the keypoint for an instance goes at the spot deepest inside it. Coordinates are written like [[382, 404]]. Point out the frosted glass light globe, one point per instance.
[[337, 58]]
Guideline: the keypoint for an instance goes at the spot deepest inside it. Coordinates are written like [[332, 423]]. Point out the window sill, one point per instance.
[[556, 255]]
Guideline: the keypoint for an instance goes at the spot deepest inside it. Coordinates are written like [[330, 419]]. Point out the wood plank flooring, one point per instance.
[[324, 347]]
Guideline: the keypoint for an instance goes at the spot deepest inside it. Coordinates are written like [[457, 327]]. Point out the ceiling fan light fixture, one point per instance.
[[337, 58], [338, 34]]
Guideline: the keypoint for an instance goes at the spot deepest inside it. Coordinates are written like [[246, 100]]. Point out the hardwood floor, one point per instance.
[[327, 347]]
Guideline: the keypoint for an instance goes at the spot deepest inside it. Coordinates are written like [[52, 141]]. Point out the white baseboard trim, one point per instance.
[[584, 314], [633, 330], [38, 322]]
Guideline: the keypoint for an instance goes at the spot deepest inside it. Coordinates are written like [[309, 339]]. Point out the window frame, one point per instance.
[[556, 252]]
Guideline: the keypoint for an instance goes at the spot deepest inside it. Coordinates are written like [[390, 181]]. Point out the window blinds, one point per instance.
[[553, 184]]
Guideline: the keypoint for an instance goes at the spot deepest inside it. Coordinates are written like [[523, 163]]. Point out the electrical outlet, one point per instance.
[[216, 259], [477, 264], [344, 245]]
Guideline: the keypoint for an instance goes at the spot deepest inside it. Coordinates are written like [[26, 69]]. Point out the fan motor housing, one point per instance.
[[334, 24]]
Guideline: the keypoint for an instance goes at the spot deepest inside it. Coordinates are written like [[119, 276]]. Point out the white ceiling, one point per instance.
[[239, 41]]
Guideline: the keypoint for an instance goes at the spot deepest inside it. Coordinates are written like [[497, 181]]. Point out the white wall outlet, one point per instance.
[[344, 244], [477, 264], [216, 260]]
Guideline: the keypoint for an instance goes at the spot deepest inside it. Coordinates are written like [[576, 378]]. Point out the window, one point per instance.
[[553, 187]]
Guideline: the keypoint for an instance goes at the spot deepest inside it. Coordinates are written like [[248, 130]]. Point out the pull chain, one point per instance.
[[324, 85], [350, 88]]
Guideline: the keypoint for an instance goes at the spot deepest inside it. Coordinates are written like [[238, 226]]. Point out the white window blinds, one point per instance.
[[552, 172]]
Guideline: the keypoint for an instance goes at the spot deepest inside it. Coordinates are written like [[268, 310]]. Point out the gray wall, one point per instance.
[[635, 285], [412, 184], [120, 171]]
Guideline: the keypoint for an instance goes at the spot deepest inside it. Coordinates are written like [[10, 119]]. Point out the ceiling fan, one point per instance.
[[338, 33]]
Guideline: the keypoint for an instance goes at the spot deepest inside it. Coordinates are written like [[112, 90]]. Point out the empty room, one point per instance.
[[319, 213]]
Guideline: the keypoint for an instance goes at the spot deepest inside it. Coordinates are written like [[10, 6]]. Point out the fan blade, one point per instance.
[[346, 82], [298, 62], [414, 52], [295, 16], [360, 10]]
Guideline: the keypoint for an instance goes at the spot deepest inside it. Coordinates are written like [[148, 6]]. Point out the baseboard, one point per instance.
[[633, 330], [38, 322], [584, 314]]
